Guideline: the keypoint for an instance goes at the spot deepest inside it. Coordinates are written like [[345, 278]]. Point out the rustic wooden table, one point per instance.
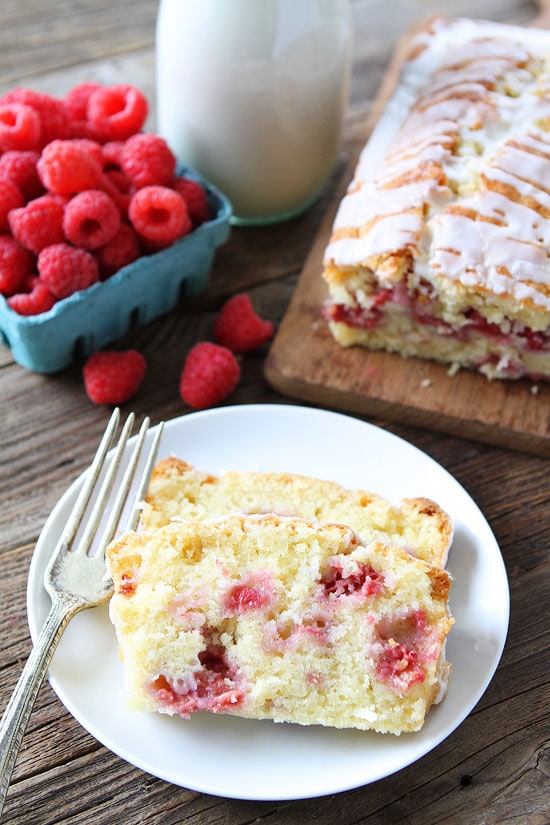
[[493, 768]]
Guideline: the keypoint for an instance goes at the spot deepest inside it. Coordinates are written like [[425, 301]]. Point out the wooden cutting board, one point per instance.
[[304, 361]]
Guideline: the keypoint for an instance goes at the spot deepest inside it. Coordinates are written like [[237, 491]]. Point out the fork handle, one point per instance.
[[18, 710]]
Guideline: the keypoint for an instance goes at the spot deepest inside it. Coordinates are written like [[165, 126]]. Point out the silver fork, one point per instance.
[[76, 575]]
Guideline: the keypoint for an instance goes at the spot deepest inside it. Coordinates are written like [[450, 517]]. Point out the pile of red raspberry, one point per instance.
[[210, 372], [83, 191]]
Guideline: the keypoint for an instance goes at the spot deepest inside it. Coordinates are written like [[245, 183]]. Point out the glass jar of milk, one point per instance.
[[252, 94]]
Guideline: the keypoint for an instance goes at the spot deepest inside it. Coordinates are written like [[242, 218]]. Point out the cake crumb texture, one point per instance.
[[179, 491], [281, 618]]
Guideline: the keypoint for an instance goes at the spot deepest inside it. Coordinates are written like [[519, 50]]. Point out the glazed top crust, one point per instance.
[[454, 181]]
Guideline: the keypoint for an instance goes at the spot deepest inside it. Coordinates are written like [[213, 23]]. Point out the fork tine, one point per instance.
[[98, 509], [77, 513], [145, 478], [124, 487]]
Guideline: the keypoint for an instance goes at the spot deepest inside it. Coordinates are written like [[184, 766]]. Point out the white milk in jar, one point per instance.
[[252, 94]]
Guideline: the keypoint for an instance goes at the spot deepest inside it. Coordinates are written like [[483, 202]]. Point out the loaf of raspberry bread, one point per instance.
[[179, 491], [440, 247], [267, 617]]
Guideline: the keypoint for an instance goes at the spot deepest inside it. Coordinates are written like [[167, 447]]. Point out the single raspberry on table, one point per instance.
[[37, 300], [66, 269], [54, 119], [159, 214], [122, 250], [113, 377], [91, 219], [148, 160], [210, 373], [239, 328], [65, 167], [117, 112], [16, 263], [38, 224], [20, 127], [195, 199], [10, 198], [19, 167]]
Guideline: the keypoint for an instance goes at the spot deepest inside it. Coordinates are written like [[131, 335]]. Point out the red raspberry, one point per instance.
[[91, 147], [76, 106], [91, 219], [20, 127], [117, 188], [148, 160], [112, 155], [117, 112], [10, 198], [38, 224], [85, 130], [209, 374], [16, 264], [66, 269], [239, 328], [122, 250], [122, 183], [53, 116], [19, 167], [195, 198], [39, 299], [113, 377], [159, 214], [66, 168], [76, 100]]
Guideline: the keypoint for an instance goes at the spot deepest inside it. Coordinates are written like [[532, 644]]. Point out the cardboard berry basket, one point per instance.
[[151, 286]]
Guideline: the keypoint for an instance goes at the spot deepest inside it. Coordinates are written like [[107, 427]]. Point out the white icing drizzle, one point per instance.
[[464, 121]]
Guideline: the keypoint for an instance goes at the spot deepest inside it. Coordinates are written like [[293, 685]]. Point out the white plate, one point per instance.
[[246, 759]]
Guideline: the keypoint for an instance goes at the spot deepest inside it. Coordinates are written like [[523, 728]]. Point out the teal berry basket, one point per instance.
[[135, 295]]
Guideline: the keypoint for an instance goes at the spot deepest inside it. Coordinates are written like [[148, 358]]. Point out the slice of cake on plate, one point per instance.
[[279, 618], [179, 491], [440, 247]]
